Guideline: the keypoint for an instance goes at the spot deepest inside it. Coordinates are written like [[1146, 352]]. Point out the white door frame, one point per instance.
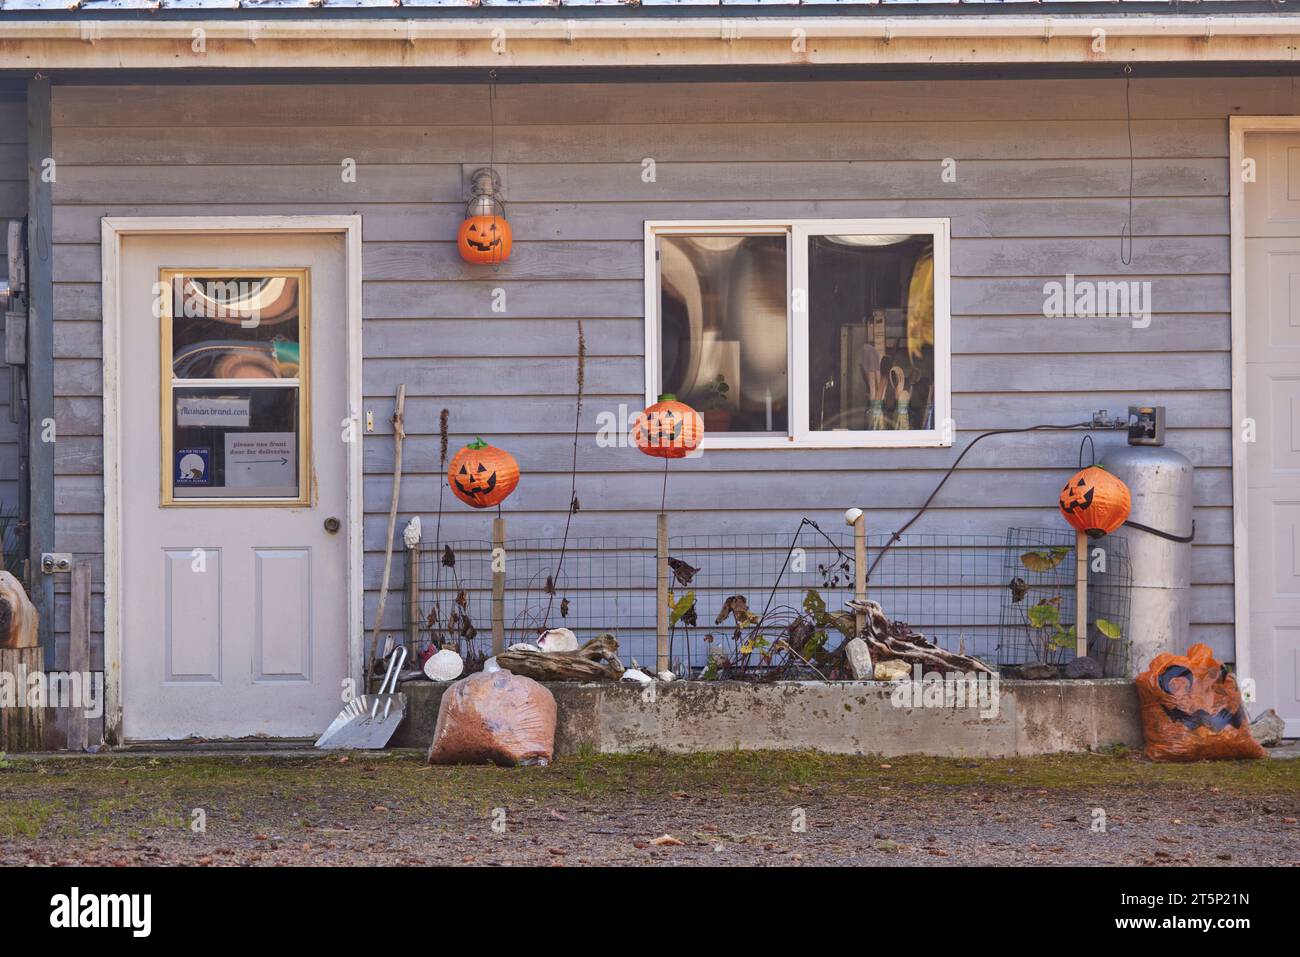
[[1238, 127], [113, 229]]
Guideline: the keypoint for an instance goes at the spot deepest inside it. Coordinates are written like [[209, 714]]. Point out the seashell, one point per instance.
[[446, 665]]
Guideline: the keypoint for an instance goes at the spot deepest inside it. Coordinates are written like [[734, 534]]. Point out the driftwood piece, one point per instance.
[[896, 641], [597, 660]]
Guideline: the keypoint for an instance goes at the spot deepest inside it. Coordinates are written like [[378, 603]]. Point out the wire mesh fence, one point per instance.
[[952, 588], [1037, 615]]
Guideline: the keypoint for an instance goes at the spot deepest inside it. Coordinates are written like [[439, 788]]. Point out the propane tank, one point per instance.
[[1160, 481]]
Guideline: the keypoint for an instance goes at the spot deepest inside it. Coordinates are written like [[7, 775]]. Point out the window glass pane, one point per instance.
[[723, 315], [235, 443], [870, 332], [235, 327]]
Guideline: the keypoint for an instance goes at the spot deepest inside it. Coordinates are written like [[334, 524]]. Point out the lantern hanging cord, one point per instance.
[[1126, 252], [492, 120], [895, 536]]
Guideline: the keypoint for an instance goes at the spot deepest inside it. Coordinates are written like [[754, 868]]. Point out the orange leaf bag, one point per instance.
[[495, 718], [1192, 710]]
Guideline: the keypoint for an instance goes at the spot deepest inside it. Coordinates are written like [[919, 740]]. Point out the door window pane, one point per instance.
[[235, 443], [246, 438], [724, 333], [235, 327], [871, 332]]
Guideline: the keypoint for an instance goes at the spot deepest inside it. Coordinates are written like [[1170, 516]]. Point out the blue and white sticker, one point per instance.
[[192, 467]]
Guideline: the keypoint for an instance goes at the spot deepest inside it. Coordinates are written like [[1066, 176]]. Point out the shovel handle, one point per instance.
[[400, 659], [392, 666]]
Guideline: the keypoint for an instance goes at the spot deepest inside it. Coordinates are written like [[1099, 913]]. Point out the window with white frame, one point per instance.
[[803, 332]]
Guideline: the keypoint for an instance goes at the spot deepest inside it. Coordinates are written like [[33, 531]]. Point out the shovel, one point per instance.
[[367, 722]]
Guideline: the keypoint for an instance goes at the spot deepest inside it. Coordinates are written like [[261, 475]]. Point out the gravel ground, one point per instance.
[[739, 808]]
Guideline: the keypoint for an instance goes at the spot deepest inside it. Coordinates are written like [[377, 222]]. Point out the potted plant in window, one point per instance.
[[715, 407]]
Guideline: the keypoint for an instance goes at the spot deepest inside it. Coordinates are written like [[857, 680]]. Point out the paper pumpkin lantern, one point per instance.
[[668, 429], [484, 239], [482, 475], [1192, 709], [1094, 501]]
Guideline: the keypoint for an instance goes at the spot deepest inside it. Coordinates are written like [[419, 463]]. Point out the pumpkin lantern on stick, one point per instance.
[[481, 475], [668, 430], [484, 238], [1095, 502]]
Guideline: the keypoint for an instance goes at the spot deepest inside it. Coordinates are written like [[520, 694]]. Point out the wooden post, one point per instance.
[[860, 570], [79, 652], [22, 728], [498, 585], [1081, 594], [413, 601], [661, 594]]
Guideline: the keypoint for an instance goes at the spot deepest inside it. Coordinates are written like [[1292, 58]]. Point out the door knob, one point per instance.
[[332, 525]]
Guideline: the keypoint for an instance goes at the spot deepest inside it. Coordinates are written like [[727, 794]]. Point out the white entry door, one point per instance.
[[1273, 400], [234, 481]]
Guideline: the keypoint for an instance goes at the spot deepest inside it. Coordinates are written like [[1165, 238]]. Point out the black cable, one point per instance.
[[948, 474], [1182, 539]]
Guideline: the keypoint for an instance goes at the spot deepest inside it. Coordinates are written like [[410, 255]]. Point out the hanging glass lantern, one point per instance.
[[484, 237]]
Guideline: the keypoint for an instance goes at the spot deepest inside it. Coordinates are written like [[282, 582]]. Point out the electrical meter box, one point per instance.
[[1146, 425]]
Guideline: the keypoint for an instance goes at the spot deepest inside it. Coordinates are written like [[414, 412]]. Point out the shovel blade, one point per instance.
[[355, 730]]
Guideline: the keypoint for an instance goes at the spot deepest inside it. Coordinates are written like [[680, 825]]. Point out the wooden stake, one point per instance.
[[79, 651], [1081, 594], [860, 569], [399, 436], [661, 593], [413, 599], [499, 585]]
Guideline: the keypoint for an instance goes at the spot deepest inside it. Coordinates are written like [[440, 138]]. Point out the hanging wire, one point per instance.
[[1127, 232], [1087, 440], [492, 119]]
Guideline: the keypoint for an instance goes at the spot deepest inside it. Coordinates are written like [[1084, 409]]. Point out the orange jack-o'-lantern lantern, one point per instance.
[[484, 236], [482, 475], [484, 239], [1094, 501], [668, 429], [1192, 709]]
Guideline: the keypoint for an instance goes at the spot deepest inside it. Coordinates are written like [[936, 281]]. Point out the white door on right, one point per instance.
[[1273, 402]]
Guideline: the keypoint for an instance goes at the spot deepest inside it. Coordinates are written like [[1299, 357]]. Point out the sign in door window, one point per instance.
[[235, 387]]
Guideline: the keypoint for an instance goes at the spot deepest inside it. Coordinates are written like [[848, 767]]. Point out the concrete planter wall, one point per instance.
[[850, 717]]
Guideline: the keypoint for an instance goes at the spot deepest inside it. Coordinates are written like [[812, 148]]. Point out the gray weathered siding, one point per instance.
[[13, 205], [1041, 191]]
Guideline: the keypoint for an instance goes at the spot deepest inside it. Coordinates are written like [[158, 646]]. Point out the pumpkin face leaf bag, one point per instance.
[[1192, 710]]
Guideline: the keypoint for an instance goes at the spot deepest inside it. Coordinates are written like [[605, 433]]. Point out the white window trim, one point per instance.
[[797, 232]]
